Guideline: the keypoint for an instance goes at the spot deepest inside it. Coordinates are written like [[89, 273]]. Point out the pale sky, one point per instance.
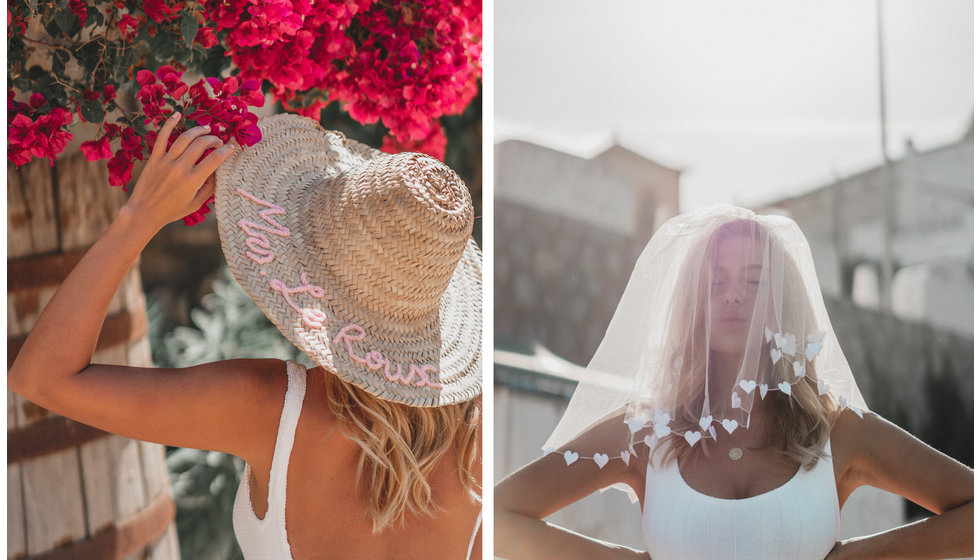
[[754, 100]]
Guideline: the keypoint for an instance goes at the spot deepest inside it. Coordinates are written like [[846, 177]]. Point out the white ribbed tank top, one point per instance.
[[265, 539], [799, 520]]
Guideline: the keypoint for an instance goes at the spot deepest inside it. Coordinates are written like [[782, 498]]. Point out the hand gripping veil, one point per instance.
[[722, 311]]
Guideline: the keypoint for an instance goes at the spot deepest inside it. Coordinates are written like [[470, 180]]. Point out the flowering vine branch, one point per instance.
[[405, 64]]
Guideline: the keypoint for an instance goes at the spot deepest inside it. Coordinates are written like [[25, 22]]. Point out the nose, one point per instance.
[[733, 294]]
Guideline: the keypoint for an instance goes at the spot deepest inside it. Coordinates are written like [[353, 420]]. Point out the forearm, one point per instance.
[[63, 340], [949, 535], [518, 536]]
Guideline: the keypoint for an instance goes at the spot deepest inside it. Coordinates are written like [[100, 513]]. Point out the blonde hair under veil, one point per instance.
[[658, 346]]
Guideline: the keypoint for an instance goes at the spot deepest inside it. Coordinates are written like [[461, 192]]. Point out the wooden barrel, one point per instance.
[[74, 491]]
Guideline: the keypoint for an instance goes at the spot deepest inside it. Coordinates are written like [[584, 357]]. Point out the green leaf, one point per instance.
[[163, 46], [63, 4], [57, 66], [183, 55], [95, 16], [93, 111], [36, 72], [188, 28], [52, 28], [66, 20]]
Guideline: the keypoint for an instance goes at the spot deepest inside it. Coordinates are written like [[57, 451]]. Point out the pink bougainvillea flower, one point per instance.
[[248, 135], [159, 11], [120, 169], [206, 37], [145, 77], [109, 92], [79, 9], [128, 26], [94, 150], [198, 215]]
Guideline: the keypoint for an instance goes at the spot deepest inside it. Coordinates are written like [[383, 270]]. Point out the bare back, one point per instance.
[[325, 510]]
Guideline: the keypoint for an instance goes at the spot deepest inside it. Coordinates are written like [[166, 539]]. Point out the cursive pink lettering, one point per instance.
[[313, 318], [377, 361], [255, 240]]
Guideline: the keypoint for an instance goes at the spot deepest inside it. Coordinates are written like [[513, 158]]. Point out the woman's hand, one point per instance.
[[173, 184]]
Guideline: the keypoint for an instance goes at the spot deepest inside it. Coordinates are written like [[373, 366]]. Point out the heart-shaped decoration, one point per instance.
[[692, 437], [763, 389], [822, 388], [843, 401], [747, 385], [729, 425], [785, 387], [570, 457], [625, 456], [858, 411], [774, 354], [661, 419], [778, 339], [736, 402], [705, 422], [601, 459], [713, 433], [812, 349], [650, 440], [798, 369], [635, 425], [549, 450], [789, 344], [661, 430], [768, 335]]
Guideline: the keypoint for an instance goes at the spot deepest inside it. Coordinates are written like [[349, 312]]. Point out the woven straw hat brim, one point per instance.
[[375, 338]]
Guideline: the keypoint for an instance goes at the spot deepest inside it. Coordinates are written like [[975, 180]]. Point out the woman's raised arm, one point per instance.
[[548, 484], [878, 453], [178, 407]]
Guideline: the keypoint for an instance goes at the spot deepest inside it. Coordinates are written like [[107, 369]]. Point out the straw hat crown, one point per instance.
[[394, 232]]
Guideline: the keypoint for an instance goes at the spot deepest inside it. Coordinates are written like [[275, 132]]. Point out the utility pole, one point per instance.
[[888, 180]]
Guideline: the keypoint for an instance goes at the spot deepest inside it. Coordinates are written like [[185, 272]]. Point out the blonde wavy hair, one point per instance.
[[801, 423], [400, 447]]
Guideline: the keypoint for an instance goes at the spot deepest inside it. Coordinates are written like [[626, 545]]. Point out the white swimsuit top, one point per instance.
[[799, 520], [265, 539]]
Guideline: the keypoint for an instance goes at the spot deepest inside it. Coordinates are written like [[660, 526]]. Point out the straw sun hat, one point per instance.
[[362, 259]]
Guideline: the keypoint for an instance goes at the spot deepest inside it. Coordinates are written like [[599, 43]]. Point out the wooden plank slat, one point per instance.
[[54, 512], [121, 540], [112, 481], [41, 270], [86, 202], [155, 475], [24, 307], [118, 329], [31, 224], [16, 542], [47, 436]]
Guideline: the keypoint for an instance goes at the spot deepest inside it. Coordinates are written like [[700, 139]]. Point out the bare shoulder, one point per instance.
[[872, 451]]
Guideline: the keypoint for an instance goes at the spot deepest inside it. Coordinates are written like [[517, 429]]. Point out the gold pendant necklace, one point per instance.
[[735, 453]]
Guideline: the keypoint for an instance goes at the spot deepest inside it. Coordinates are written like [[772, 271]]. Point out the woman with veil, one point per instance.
[[737, 422]]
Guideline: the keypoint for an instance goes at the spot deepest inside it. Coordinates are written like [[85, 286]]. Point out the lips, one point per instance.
[[731, 321]]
